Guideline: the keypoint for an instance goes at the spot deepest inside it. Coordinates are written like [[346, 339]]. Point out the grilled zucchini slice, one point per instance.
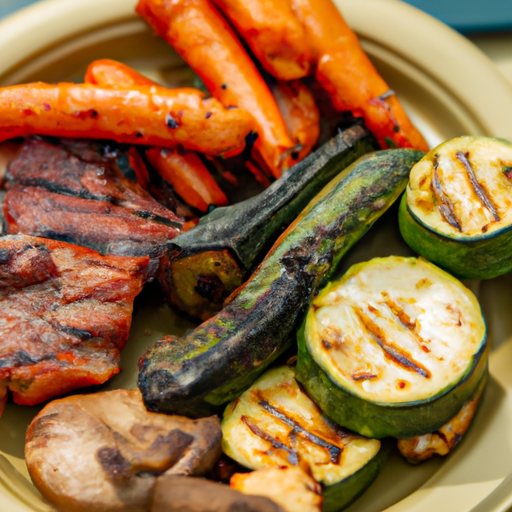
[[275, 423], [394, 348], [457, 210]]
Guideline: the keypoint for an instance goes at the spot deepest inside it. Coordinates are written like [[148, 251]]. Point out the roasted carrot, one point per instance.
[[300, 113], [185, 171], [139, 167], [111, 73], [199, 33], [348, 75], [143, 115], [273, 33]]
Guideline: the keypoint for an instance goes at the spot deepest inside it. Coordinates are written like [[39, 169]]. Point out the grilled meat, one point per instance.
[[65, 315], [57, 195], [122, 449]]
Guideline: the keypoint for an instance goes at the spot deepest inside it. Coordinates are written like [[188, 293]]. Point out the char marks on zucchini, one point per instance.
[[457, 210], [291, 431], [413, 332]]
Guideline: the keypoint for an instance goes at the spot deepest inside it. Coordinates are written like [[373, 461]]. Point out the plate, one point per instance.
[[449, 87]]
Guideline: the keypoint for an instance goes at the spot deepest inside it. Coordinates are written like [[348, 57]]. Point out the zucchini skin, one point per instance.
[[239, 235], [339, 496], [452, 434], [485, 257], [214, 363], [455, 212], [380, 420]]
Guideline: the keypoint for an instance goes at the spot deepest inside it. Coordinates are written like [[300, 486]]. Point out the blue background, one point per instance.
[[466, 16]]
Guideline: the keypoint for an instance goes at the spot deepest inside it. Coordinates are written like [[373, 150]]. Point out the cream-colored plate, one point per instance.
[[449, 87]]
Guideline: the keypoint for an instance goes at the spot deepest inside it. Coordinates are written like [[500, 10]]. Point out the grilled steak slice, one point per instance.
[[92, 204], [122, 448], [65, 315]]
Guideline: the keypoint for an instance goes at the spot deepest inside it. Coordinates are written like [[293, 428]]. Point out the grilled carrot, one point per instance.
[[143, 115], [199, 33], [139, 167], [348, 75], [277, 40], [185, 171], [111, 73], [300, 113]]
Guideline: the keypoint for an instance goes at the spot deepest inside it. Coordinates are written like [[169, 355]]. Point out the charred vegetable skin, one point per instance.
[[207, 264], [214, 363], [457, 209], [409, 383]]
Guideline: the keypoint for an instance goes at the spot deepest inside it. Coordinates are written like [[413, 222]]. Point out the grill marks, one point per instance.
[[479, 191], [396, 354], [297, 428], [334, 451], [65, 315], [293, 456], [84, 199], [405, 320], [446, 207], [444, 204]]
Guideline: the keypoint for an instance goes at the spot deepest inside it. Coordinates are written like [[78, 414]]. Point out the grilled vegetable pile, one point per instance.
[[144, 174]]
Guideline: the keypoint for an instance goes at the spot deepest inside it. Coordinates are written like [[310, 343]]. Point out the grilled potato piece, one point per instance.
[[291, 487], [443, 441]]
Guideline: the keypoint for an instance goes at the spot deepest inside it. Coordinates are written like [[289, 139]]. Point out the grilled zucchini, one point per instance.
[[196, 375], [204, 265], [457, 210], [275, 423], [394, 348]]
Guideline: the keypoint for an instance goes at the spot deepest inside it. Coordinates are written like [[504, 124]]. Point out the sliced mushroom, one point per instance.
[[103, 452], [181, 494]]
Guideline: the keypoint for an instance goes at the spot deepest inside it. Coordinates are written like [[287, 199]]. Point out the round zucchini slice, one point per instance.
[[275, 423], [394, 348], [457, 209]]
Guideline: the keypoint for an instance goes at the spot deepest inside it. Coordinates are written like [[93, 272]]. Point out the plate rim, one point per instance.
[[477, 86]]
